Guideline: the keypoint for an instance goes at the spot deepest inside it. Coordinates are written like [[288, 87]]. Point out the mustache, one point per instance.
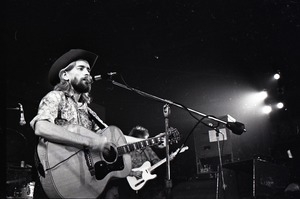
[[88, 79]]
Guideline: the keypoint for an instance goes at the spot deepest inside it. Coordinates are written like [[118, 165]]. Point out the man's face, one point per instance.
[[80, 76]]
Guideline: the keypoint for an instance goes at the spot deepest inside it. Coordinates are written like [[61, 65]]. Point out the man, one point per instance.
[[64, 118], [138, 158]]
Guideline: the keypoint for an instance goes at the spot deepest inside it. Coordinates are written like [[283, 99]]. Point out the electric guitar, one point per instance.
[[146, 169], [71, 172]]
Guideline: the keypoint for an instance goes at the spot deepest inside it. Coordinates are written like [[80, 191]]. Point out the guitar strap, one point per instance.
[[99, 123]]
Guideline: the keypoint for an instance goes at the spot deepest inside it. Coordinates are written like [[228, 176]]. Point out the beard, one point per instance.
[[81, 85]]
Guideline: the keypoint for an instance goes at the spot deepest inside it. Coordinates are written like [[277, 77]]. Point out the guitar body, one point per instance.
[[146, 169], [72, 178], [137, 184]]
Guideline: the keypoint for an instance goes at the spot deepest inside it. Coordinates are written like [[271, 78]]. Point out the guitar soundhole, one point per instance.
[[110, 153]]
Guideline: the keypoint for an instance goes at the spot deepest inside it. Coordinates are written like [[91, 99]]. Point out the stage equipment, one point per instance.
[[205, 186], [167, 112], [107, 76], [259, 178], [207, 147], [19, 182], [22, 116], [236, 127]]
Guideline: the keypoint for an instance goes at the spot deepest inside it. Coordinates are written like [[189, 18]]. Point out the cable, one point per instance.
[[63, 160]]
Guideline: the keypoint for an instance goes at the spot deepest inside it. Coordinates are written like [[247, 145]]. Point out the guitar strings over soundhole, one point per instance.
[[109, 153]]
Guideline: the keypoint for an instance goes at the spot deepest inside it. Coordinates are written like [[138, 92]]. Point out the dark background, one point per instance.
[[207, 55]]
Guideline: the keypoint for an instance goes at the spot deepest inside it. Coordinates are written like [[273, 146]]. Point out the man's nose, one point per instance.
[[86, 71]]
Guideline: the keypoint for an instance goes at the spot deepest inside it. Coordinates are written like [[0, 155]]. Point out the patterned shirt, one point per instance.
[[140, 156], [60, 108]]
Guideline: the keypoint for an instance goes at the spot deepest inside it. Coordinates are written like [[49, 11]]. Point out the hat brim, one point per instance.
[[66, 59]]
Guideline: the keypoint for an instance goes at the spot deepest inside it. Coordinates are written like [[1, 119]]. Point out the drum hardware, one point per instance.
[[22, 117], [21, 180], [19, 183]]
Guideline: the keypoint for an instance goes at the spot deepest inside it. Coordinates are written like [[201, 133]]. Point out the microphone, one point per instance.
[[104, 77], [236, 127], [22, 117]]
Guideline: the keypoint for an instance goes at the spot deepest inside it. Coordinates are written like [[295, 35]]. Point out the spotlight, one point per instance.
[[263, 95], [267, 109], [276, 76], [280, 105]]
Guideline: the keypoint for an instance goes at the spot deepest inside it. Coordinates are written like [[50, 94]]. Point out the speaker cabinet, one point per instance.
[[194, 189], [207, 186], [257, 178], [206, 145]]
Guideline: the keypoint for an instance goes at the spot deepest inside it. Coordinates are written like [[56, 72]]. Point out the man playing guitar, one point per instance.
[[138, 157], [70, 134]]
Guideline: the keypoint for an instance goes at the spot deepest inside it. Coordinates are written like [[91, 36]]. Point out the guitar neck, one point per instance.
[[165, 159], [157, 164], [139, 145]]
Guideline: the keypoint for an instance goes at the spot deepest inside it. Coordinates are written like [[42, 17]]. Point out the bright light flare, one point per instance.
[[254, 99], [262, 95], [267, 109], [276, 76], [280, 105]]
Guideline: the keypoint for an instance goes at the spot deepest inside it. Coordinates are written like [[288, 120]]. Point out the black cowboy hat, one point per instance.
[[66, 59]]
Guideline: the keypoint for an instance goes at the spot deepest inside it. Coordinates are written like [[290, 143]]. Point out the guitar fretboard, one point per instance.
[[138, 145]]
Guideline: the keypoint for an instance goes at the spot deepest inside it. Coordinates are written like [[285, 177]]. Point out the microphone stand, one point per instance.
[[167, 112], [165, 101], [220, 168], [235, 127]]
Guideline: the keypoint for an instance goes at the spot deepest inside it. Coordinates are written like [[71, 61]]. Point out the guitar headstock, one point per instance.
[[172, 155], [174, 136]]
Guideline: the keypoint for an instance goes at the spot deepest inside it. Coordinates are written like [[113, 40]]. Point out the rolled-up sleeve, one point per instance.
[[48, 108]]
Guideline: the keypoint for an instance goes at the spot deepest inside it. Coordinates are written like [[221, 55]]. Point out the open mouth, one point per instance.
[[88, 80]]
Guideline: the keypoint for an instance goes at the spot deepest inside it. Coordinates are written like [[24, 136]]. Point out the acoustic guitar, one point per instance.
[[71, 172]]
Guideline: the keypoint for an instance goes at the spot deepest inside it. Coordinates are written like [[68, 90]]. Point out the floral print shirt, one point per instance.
[[60, 108], [140, 156]]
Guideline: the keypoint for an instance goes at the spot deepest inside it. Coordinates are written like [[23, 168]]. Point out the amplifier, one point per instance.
[[207, 186], [259, 178]]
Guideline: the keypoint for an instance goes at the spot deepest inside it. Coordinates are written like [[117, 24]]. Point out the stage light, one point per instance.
[[280, 105], [262, 95], [276, 76], [267, 109]]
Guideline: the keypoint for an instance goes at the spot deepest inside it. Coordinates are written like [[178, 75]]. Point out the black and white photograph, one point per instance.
[[150, 99]]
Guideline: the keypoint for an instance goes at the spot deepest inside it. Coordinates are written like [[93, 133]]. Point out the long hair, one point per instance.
[[66, 86], [139, 132]]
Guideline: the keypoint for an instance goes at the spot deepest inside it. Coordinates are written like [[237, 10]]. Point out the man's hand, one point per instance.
[[98, 143], [163, 143], [137, 174]]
